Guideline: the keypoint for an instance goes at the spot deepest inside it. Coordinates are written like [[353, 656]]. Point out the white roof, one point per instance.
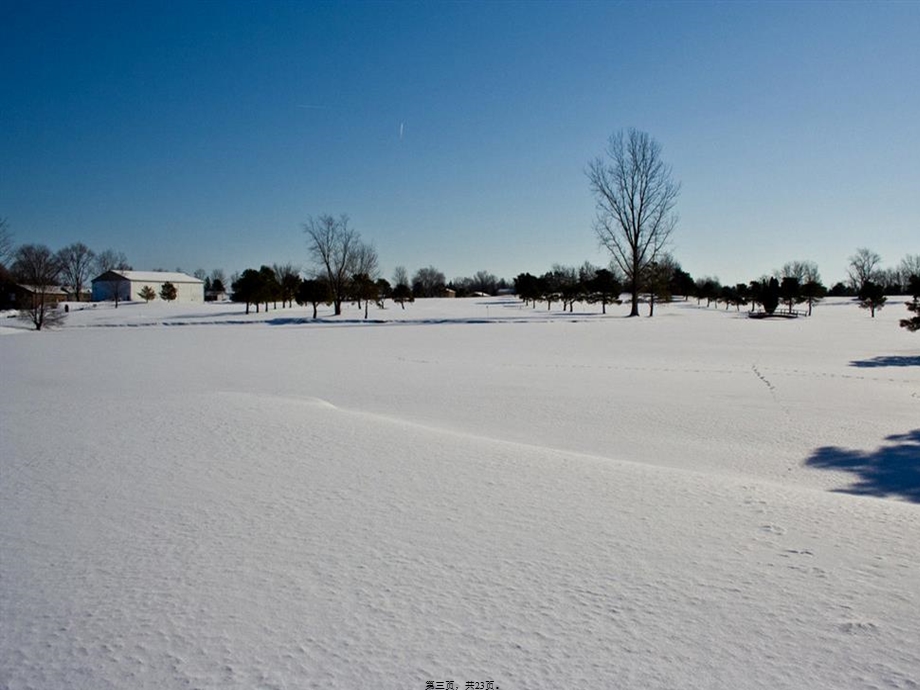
[[157, 277]]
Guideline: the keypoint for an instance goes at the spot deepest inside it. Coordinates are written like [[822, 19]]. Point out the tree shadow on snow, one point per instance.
[[892, 470], [887, 361]]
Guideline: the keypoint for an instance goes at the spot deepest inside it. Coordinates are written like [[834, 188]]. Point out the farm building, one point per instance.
[[123, 286], [28, 296]]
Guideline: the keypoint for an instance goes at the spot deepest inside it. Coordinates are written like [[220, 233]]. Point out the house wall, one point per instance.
[[186, 293], [104, 290], [129, 290]]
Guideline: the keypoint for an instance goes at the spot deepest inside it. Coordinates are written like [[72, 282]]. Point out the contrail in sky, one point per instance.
[[401, 126]]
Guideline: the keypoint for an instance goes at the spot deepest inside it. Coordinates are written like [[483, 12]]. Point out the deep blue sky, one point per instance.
[[203, 134]]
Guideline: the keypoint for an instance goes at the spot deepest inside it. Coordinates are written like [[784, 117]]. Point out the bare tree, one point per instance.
[[38, 269], [366, 261], [863, 268], [110, 260], [288, 277], [218, 275], [333, 246], [803, 271], [635, 204], [909, 267], [428, 282], [484, 281], [365, 266], [656, 280], [76, 262], [6, 242], [400, 276]]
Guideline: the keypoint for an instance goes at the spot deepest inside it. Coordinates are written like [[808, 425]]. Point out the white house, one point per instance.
[[123, 286]]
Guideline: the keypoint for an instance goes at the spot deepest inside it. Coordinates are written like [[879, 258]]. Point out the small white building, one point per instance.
[[125, 286]]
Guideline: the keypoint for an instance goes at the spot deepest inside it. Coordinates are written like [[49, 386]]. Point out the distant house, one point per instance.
[[215, 296], [28, 296], [124, 286]]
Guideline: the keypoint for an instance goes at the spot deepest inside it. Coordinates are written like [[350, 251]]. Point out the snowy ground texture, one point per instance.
[[466, 491]]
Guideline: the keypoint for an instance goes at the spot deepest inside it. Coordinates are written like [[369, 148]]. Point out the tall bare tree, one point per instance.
[[635, 204], [333, 246], [36, 267], [77, 262], [863, 268]]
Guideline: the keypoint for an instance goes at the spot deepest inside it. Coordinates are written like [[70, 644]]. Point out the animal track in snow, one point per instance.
[[773, 529], [762, 378]]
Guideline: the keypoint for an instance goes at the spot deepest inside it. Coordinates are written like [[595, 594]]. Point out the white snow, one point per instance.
[[466, 490]]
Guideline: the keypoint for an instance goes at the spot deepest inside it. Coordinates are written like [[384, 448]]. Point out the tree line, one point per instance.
[[44, 271], [635, 199]]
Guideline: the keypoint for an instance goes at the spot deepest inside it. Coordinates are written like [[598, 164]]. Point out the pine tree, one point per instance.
[[872, 297], [147, 293], [315, 291], [770, 296], [913, 324], [168, 292]]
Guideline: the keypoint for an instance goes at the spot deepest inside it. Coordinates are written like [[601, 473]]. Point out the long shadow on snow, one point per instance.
[[887, 361], [892, 470]]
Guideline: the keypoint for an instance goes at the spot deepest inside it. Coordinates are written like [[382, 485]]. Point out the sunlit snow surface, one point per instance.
[[464, 490]]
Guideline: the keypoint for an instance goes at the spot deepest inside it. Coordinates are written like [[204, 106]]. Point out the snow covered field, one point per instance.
[[466, 491]]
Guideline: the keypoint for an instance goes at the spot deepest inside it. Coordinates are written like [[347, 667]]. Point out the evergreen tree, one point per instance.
[[913, 324], [402, 293], [813, 292], [872, 297], [364, 288], [527, 287], [248, 288], [269, 288], [147, 293], [769, 298], [384, 291], [168, 292], [790, 291], [604, 288], [314, 291]]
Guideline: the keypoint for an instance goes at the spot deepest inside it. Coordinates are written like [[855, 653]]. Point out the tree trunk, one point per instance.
[[338, 307], [314, 310]]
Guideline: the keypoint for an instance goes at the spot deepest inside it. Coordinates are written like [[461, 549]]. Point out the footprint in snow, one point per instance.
[[859, 628]]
